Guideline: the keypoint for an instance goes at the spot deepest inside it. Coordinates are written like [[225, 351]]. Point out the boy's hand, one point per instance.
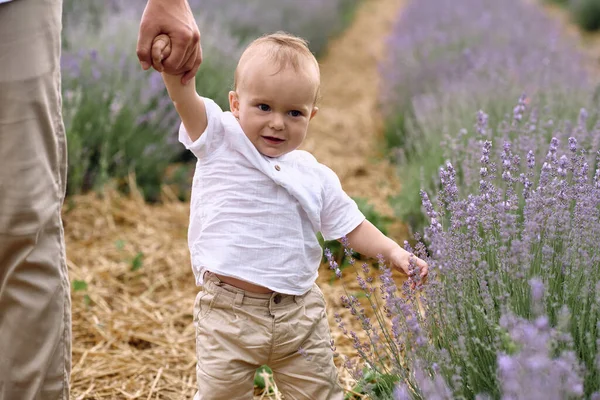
[[401, 260], [161, 49], [366, 239]]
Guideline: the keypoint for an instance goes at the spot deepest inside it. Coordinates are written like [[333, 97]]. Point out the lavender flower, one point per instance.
[[532, 367]]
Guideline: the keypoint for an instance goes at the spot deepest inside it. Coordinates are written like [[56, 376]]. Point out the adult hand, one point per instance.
[[175, 19]]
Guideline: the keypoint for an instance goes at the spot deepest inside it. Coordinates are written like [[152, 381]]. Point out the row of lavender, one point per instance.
[[474, 55], [512, 204], [118, 118]]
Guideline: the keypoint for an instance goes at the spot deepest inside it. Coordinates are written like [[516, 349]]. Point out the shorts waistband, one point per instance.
[[213, 285]]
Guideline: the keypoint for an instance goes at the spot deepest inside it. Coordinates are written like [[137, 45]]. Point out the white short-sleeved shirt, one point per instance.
[[254, 217]]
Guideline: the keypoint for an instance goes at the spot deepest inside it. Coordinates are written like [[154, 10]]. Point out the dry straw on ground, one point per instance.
[[132, 326]]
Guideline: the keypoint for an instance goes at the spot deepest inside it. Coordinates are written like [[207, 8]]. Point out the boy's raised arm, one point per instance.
[[187, 102]]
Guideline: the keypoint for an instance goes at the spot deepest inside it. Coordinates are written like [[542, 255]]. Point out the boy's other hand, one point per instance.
[[401, 260], [161, 49], [173, 18]]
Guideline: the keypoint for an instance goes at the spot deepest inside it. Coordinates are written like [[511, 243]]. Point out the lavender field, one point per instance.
[[492, 119], [474, 121], [476, 55]]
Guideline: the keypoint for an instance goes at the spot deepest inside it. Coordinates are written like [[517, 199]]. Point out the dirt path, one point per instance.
[[345, 133]]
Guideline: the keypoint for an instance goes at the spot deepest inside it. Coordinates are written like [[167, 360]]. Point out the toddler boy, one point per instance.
[[257, 204]]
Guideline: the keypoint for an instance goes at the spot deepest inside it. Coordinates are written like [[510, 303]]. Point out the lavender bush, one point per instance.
[[315, 20], [512, 306], [448, 58], [119, 119]]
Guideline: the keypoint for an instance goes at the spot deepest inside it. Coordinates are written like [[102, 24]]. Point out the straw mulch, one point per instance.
[[133, 288], [132, 325]]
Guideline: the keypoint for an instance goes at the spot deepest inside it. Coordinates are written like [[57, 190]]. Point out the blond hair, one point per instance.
[[284, 49]]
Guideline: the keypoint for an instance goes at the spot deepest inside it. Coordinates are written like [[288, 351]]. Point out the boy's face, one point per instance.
[[274, 106]]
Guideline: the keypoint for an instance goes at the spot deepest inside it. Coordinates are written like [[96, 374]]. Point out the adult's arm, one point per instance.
[[173, 18]]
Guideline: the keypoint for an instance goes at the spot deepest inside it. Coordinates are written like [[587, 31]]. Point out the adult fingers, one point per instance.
[[192, 50], [177, 53], [182, 47], [193, 65], [143, 49], [189, 51]]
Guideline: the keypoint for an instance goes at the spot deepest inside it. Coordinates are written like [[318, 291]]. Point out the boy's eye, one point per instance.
[[295, 113], [263, 107]]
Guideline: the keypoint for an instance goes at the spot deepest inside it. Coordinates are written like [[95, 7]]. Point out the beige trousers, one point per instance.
[[35, 316], [238, 331]]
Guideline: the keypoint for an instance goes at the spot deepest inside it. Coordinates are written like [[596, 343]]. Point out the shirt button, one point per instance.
[[278, 168]]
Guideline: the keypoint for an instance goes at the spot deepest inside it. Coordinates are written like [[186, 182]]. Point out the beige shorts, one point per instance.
[[238, 331], [35, 308]]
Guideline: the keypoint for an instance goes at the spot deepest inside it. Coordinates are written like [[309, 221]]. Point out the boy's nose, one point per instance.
[[276, 122]]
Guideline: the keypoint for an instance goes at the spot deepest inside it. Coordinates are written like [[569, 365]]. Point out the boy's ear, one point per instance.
[[313, 112], [234, 104]]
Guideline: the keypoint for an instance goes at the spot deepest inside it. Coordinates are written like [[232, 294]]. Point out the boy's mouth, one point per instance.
[[272, 139]]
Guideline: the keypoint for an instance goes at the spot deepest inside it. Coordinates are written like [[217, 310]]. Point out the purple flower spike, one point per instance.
[[572, 144]]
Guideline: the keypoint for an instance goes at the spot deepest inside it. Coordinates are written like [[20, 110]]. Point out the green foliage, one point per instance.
[[137, 261], [117, 119], [104, 146], [82, 286], [379, 386], [348, 10], [407, 203], [586, 13], [440, 71], [90, 13], [380, 221], [396, 130], [79, 286], [259, 380]]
